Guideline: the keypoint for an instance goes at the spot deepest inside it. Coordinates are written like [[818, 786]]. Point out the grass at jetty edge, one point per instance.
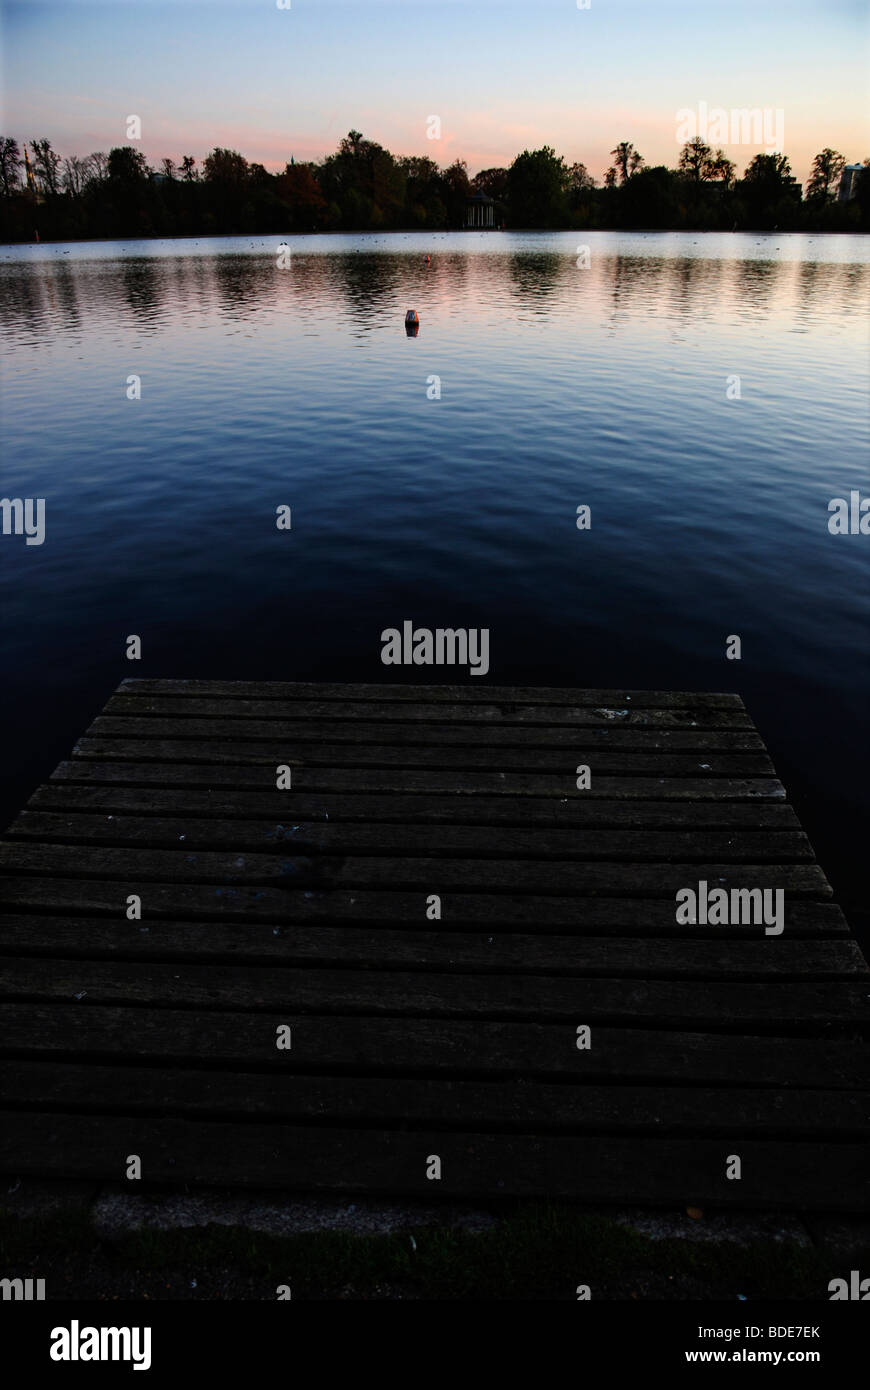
[[537, 1252]]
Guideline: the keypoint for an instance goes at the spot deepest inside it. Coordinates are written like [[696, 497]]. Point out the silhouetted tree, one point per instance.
[[721, 168], [698, 162], [351, 144], [627, 159], [98, 166], [456, 189], [46, 167], [124, 200], [695, 158], [126, 166], [649, 199], [364, 182], [363, 185], [768, 192], [492, 183], [825, 174], [580, 195], [424, 200], [10, 165], [579, 178], [226, 167], [537, 185], [75, 172], [303, 204]]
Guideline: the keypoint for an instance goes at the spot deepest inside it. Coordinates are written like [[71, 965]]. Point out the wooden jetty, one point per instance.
[[412, 1036]]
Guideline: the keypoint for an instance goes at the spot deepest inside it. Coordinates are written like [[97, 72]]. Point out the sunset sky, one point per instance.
[[501, 76]]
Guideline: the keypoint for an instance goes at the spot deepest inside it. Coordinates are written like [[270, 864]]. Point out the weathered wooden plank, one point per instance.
[[308, 907], [300, 733], [840, 1005], [248, 943], [100, 768], [525, 811], [390, 838], [445, 1104], [397, 712], [432, 1047], [810, 1174], [467, 693], [432, 875], [295, 754], [359, 907]]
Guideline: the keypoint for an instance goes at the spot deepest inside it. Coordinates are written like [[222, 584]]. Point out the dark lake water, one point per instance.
[[560, 386]]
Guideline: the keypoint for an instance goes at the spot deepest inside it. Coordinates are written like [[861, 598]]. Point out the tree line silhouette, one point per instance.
[[363, 187]]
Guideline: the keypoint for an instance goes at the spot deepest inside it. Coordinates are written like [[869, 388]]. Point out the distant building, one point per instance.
[[479, 211], [849, 181]]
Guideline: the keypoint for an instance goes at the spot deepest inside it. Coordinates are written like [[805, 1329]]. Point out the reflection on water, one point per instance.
[[54, 295], [50, 292], [559, 385]]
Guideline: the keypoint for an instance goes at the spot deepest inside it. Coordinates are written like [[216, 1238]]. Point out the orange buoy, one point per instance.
[[428, 260], [412, 316]]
